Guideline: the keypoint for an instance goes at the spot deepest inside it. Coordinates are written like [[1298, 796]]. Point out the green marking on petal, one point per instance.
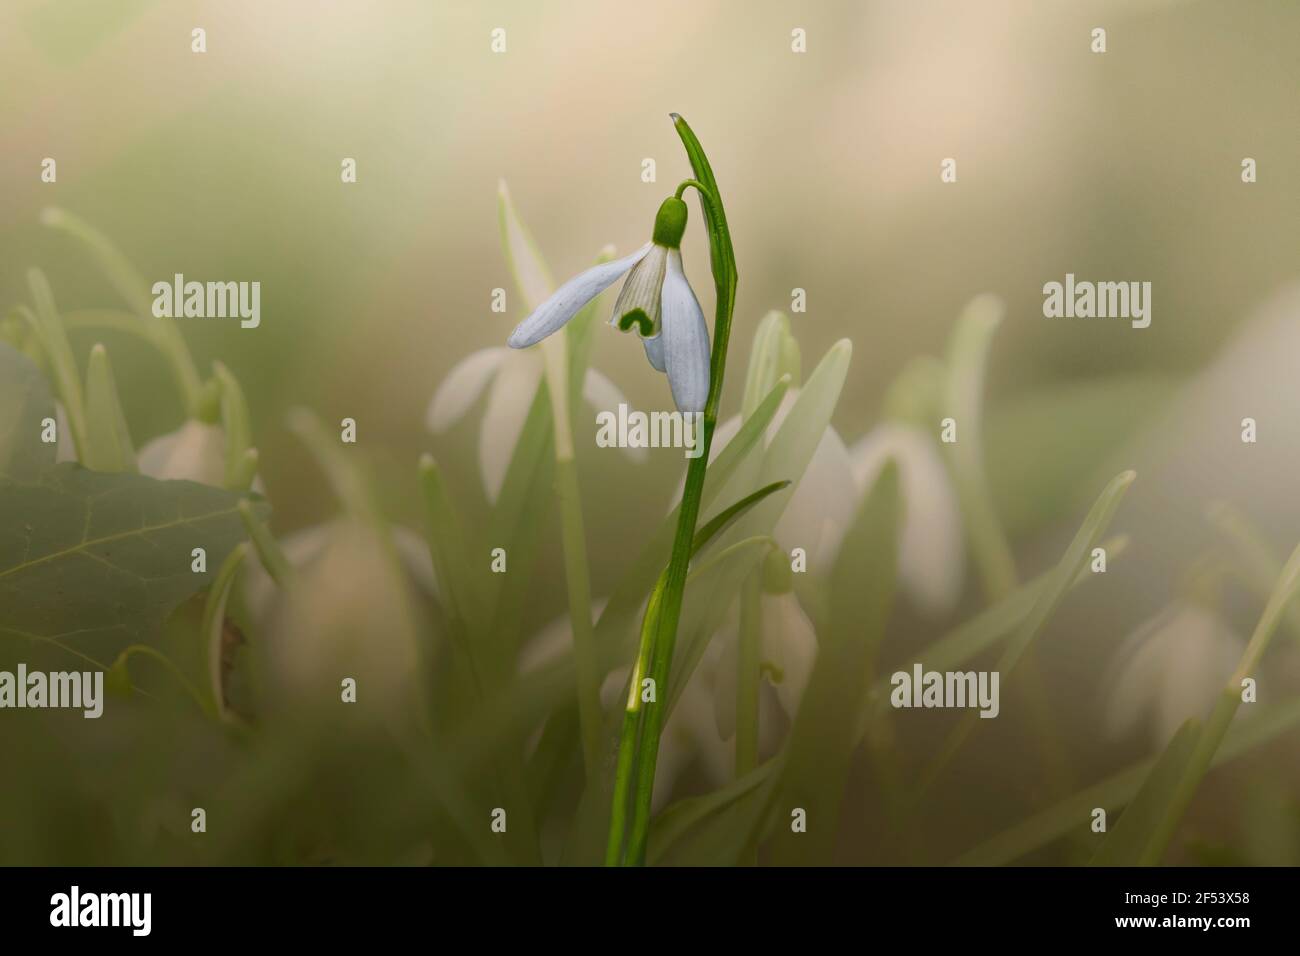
[[645, 325]]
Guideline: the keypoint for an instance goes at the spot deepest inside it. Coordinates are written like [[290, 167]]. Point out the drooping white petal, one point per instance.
[[931, 560], [790, 645], [603, 395], [686, 339], [654, 352], [462, 387], [823, 504], [193, 452], [509, 398], [643, 288], [1169, 669], [565, 302]]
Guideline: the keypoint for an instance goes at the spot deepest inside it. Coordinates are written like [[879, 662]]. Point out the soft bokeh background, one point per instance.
[[1123, 166]]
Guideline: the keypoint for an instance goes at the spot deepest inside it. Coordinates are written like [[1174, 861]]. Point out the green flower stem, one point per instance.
[[573, 537], [132, 287], [630, 737], [235, 422], [564, 368], [169, 666], [54, 341], [747, 674], [578, 582], [268, 549], [659, 629]]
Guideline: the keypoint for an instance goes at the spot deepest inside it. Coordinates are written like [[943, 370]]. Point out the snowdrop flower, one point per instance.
[[348, 611], [787, 651], [304, 547], [1171, 668], [511, 380], [193, 452], [691, 732], [656, 298], [931, 559], [824, 500]]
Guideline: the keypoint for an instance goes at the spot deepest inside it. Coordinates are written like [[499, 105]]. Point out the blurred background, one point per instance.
[[1123, 167]]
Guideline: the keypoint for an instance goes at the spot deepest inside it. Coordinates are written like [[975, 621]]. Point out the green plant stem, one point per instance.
[[659, 630], [170, 667], [578, 582], [747, 676]]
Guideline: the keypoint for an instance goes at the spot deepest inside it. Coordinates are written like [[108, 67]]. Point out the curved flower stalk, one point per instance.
[[1168, 670], [510, 380], [642, 727], [656, 299]]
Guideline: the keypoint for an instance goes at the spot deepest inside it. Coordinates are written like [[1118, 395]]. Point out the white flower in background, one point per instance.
[[787, 651], [304, 547], [931, 559], [194, 452], [511, 380], [825, 499], [349, 611], [656, 298], [691, 731], [1172, 667]]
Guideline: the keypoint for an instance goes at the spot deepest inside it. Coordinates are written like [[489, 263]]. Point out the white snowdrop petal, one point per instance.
[[462, 387], [564, 303], [643, 288], [193, 452], [509, 399], [686, 339]]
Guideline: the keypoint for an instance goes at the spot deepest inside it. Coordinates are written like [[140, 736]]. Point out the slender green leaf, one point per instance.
[[824, 734], [964, 401], [1074, 813], [108, 441]]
